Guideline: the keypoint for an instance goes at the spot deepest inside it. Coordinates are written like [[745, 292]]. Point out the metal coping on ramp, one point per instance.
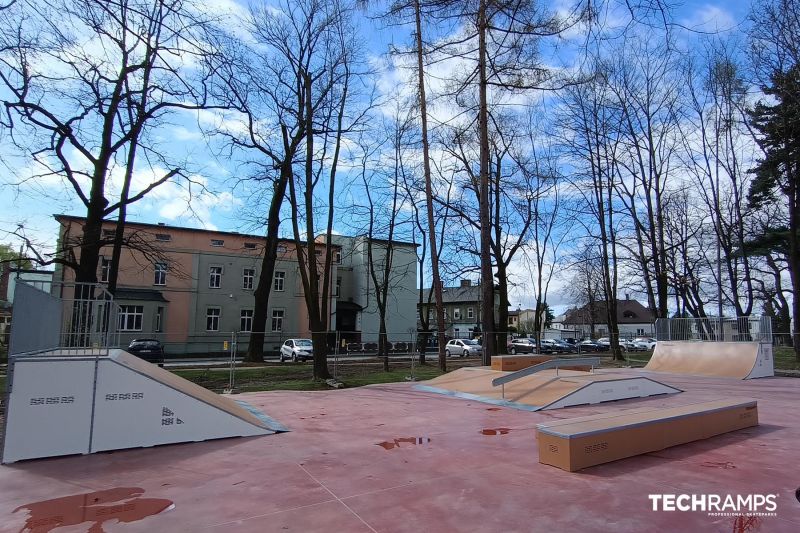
[[547, 365], [484, 399], [270, 422], [545, 390]]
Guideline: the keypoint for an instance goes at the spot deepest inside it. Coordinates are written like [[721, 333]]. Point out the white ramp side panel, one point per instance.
[[134, 410], [765, 364], [607, 391], [49, 410], [63, 404], [739, 360]]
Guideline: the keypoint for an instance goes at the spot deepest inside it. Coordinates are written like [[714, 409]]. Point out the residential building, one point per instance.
[[633, 319], [193, 288], [462, 309], [513, 319], [357, 318]]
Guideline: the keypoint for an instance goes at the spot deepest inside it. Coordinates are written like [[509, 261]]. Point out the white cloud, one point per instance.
[[710, 18]]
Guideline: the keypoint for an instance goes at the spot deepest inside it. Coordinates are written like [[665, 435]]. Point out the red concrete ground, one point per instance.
[[331, 474]]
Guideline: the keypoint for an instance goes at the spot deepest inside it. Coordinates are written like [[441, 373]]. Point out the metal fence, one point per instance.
[[67, 315], [715, 329]]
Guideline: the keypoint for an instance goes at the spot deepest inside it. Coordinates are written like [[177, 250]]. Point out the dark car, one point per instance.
[[521, 345], [554, 347], [590, 346], [566, 346], [150, 350]]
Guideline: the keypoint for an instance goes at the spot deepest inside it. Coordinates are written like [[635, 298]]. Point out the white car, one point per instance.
[[297, 350], [463, 347], [644, 343]]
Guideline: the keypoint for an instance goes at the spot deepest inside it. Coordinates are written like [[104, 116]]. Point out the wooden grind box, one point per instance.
[[510, 363], [577, 443]]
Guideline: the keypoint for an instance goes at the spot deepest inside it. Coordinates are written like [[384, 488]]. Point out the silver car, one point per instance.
[[463, 347], [297, 350], [644, 343]]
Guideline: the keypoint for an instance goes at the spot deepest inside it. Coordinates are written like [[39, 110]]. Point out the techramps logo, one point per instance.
[[761, 505]]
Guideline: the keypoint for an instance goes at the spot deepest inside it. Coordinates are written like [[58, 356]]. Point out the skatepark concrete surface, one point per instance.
[[392, 458]]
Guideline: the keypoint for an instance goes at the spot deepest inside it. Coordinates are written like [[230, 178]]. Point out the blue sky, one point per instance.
[[222, 205]]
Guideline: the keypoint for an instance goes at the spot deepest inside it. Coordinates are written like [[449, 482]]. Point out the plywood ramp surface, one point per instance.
[[721, 359], [543, 389]]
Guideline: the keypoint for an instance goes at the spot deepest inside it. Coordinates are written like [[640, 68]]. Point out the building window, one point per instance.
[[215, 277], [277, 320], [212, 318], [248, 275], [159, 319], [280, 281], [640, 331], [110, 233], [337, 291], [160, 270], [281, 249], [217, 242], [105, 269], [337, 257], [163, 237], [430, 315], [249, 246], [457, 313], [130, 317], [457, 333], [470, 312], [246, 321]]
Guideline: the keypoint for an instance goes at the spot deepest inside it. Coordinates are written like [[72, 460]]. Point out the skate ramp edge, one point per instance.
[[546, 389], [738, 360]]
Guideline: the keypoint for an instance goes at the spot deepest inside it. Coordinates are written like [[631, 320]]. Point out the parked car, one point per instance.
[[463, 347], [566, 346], [297, 350], [628, 345], [590, 346], [150, 350], [552, 346], [521, 345], [644, 343], [604, 342]]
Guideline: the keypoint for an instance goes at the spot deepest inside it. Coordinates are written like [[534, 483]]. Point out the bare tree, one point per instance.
[[717, 144], [85, 84], [590, 124], [335, 86], [401, 9], [266, 83]]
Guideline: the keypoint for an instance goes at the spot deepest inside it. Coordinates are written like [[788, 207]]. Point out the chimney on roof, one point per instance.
[[466, 283]]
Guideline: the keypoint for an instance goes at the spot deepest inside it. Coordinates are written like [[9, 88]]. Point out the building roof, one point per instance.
[[161, 227], [145, 295], [450, 295], [628, 312]]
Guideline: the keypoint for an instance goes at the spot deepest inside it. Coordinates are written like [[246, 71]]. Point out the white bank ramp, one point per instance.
[[65, 402]]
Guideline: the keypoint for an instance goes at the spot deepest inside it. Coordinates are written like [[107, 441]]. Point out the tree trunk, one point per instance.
[[487, 280], [255, 349], [426, 163], [383, 342], [502, 310]]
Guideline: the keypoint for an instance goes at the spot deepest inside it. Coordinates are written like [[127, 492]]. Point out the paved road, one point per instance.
[[216, 361]]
